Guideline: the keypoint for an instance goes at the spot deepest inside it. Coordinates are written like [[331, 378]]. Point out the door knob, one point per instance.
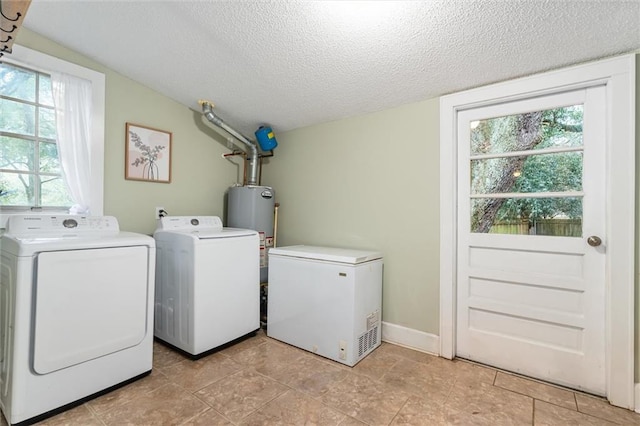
[[594, 241]]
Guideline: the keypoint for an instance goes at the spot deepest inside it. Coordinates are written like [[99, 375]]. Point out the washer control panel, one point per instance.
[[189, 223]]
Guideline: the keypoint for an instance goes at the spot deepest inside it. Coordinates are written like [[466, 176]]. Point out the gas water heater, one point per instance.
[[252, 207]]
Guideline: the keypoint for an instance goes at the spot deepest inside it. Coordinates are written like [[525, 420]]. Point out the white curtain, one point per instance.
[[72, 100]]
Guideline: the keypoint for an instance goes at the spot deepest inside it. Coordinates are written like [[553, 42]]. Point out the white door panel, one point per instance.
[[535, 304]]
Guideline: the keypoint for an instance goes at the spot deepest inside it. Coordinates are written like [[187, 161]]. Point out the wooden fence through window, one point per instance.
[[555, 227]]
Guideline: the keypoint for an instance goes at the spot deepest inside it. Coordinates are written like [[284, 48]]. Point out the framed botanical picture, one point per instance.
[[147, 154]]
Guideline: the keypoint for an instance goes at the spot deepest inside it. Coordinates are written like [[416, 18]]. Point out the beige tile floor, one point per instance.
[[261, 381]]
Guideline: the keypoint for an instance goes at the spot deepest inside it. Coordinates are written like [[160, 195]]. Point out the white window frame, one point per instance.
[[28, 58], [618, 75]]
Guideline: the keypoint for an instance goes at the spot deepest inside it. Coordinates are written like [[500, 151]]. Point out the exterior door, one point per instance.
[[531, 237]]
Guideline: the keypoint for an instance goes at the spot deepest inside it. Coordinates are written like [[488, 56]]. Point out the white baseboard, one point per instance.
[[636, 392], [410, 338]]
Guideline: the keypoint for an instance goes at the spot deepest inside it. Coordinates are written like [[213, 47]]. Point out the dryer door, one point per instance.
[[88, 303]]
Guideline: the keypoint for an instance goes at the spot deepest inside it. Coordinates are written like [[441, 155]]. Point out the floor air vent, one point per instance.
[[367, 341]]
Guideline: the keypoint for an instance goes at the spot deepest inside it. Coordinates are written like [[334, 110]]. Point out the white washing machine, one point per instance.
[[75, 312], [326, 300], [207, 283]]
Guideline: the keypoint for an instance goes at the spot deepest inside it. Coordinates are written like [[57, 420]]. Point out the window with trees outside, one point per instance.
[[526, 173], [30, 173], [51, 136]]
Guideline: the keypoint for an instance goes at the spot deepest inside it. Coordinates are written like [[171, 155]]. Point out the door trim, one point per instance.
[[618, 76]]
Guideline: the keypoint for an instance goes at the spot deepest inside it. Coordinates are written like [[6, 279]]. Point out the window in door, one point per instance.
[[526, 173], [30, 174]]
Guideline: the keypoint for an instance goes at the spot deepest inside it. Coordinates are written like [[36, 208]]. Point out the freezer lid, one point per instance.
[[329, 254]]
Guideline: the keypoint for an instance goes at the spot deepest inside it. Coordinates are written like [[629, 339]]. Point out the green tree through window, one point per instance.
[[551, 144], [30, 174]]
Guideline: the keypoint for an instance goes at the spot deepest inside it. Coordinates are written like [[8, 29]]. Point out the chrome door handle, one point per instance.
[[594, 241]]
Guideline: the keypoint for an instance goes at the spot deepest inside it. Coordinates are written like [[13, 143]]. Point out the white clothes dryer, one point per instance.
[[76, 318], [207, 283]]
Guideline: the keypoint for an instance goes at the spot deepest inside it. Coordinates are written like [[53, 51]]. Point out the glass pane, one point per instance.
[[17, 117], [528, 216], [554, 128], [54, 192], [49, 158], [47, 123], [16, 189], [16, 154], [534, 173], [17, 83], [45, 94]]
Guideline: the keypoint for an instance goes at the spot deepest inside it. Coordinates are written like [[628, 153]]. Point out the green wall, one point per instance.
[[200, 176], [369, 182]]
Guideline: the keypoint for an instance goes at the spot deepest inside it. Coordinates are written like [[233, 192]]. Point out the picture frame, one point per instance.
[[147, 154]]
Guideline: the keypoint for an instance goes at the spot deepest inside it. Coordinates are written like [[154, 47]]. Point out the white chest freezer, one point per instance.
[[326, 300]]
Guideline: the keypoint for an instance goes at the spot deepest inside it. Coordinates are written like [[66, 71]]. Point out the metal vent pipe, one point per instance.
[[252, 155]]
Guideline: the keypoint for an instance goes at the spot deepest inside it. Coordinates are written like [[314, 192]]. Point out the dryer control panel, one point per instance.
[[25, 225]]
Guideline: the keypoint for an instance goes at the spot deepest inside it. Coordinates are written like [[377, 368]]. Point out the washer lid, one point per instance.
[[201, 227], [222, 233], [331, 254]]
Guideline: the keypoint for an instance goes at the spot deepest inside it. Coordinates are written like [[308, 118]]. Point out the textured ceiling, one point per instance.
[[295, 63]]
